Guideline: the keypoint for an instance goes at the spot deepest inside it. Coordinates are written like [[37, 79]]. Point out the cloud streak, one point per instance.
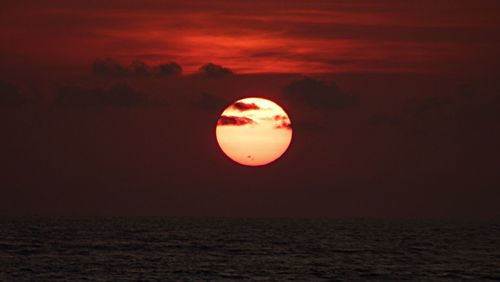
[[241, 106], [283, 122], [234, 121]]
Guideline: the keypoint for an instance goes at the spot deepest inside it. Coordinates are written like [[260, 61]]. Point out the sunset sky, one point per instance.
[[110, 107], [256, 37]]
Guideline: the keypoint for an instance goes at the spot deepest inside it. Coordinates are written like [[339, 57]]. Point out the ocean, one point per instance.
[[221, 249]]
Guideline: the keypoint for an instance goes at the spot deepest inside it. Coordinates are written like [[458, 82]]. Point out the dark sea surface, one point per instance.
[[183, 249]]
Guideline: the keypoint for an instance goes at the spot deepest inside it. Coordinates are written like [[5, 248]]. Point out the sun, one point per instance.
[[254, 131]]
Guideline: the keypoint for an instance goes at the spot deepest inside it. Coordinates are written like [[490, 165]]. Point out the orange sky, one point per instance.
[[292, 36]]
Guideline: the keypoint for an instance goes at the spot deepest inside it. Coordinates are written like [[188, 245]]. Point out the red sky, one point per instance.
[[395, 107], [256, 36]]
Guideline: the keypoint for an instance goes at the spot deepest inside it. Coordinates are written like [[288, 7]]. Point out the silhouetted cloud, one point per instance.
[[9, 95], [169, 69], [214, 71], [210, 102], [116, 95], [108, 67], [241, 106], [317, 94], [140, 68], [233, 120]]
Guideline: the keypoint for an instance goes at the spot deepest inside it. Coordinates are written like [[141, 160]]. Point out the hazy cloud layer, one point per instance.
[[421, 133]]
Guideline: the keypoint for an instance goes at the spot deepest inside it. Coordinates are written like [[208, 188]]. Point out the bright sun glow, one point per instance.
[[254, 131]]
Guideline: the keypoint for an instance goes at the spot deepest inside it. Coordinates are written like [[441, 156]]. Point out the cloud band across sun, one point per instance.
[[241, 106], [233, 120]]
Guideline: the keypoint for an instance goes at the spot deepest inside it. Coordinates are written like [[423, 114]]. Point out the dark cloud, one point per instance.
[[9, 95], [116, 95], [110, 67], [233, 120], [211, 102], [140, 68], [240, 106], [317, 94], [169, 69], [214, 71]]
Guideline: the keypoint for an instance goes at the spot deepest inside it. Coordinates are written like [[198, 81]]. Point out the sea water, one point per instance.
[[218, 249]]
